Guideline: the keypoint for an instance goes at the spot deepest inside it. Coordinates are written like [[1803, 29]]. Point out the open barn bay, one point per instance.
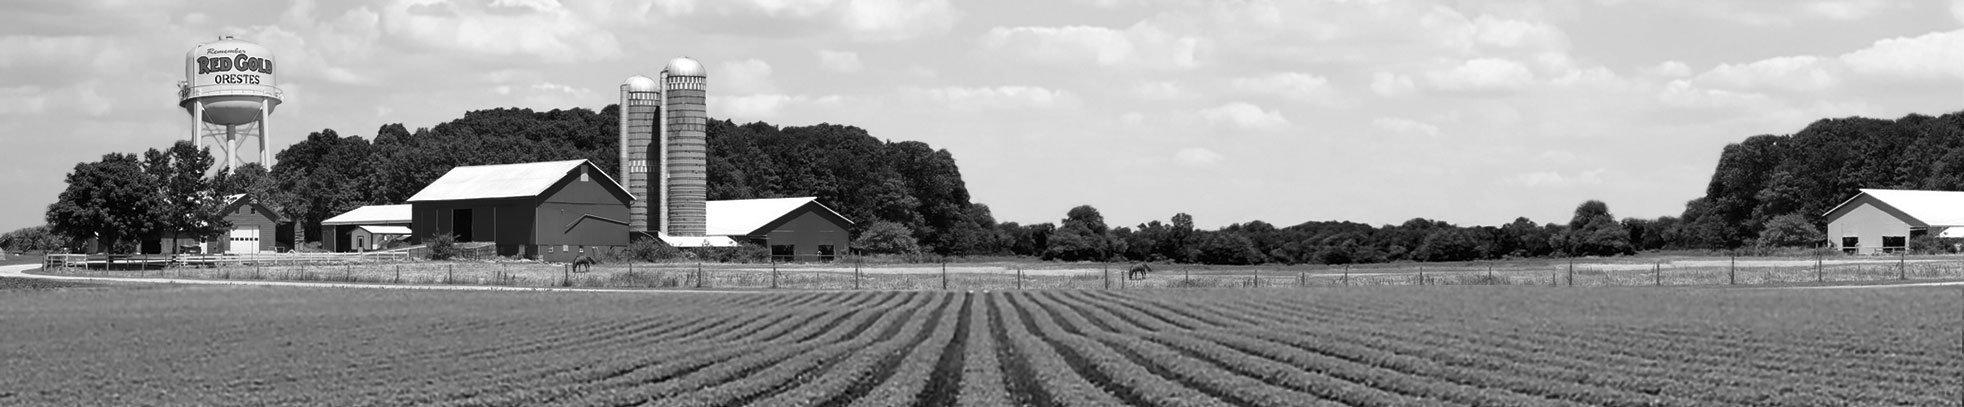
[[1499, 345]]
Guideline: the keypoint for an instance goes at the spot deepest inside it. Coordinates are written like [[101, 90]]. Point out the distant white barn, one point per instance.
[[1883, 220]]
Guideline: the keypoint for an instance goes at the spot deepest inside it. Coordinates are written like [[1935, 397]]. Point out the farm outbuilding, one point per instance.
[[255, 229], [542, 209], [1878, 221], [795, 229], [341, 230]]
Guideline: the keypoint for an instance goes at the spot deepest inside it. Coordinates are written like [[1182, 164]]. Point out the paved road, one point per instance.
[[1935, 284], [19, 271]]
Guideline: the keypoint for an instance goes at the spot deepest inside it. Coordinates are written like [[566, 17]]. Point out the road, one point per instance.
[[20, 271]]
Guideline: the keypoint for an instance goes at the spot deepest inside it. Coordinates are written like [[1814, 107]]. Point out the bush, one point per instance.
[[652, 250], [442, 247]]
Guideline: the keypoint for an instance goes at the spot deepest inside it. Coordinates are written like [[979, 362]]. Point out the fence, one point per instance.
[[958, 276]]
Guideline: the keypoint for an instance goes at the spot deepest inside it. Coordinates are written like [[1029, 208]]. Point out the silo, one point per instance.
[[640, 151], [684, 123], [230, 90]]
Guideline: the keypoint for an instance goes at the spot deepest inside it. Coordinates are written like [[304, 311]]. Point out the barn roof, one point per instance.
[[504, 181], [741, 217], [372, 215], [696, 241], [1933, 208]]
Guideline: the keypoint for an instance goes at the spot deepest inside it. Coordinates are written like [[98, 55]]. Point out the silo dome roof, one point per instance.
[[638, 83], [684, 67]]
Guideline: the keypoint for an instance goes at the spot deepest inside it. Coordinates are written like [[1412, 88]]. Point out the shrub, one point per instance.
[[652, 250], [442, 247]]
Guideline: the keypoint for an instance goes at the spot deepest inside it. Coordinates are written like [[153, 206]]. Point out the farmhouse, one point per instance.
[[545, 209], [1883, 220], [795, 229], [367, 228]]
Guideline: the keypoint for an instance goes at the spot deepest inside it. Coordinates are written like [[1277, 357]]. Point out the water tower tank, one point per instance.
[[230, 90]]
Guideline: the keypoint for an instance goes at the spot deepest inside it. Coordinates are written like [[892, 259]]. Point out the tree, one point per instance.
[[1595, 232], [1227, 248], [1790, 230], [887, 238], [112, 201], [186, 205]]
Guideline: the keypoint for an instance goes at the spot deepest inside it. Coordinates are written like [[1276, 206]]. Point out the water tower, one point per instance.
[[230, 91]]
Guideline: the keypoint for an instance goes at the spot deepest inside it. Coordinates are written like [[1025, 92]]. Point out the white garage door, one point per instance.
[[245, 240]]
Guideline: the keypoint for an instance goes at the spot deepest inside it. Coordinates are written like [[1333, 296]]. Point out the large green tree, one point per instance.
[[186, 204], [112, 201]]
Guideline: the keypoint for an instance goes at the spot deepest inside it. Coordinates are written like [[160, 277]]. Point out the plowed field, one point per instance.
[[1374, 346]]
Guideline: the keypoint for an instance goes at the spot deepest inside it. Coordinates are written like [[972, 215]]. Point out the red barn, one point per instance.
[[795, 229], [533, 209]]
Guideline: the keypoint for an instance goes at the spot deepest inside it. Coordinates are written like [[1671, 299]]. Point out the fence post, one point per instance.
[[855, 273], [1019, 279], [398, 274], [773, 272], [1302, 278], [944, 274], [349, 273], [1657, 272], [1732, 271], [449, 274], [1346, 274], [1571, 271], [1902, 261], [1421, 274], [1817, 264], [1107, 269], [1188, 274], [1258, 278]]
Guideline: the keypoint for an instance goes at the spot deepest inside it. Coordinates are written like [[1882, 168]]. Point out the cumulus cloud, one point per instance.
[[767, 106], [538, 29], [965, 98], [1390, 84], [1197, 157], [1139, 46], [1669, 69], [891, 20], [1406, 126], [1957, 10], [1934, 55], [1794, 73], [838, 61], [1157, 90], [1291, 85], [1552, 179], [1482, 74], [744, 77], [1244, 116]]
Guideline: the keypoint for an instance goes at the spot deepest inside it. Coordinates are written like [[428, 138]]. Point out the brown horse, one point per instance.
[[1138, 272], [583, 263]]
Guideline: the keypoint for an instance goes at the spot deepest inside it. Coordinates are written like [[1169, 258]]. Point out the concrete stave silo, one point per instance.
[[641, 151], [684, 130], [230, 90]]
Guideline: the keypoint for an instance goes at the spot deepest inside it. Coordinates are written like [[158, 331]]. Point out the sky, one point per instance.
[[1375, 111]]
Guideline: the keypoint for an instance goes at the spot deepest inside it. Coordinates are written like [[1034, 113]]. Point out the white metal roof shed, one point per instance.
[[739, 217], [385, 230], [372, 215]]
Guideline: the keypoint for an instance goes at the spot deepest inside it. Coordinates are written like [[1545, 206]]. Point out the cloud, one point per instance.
[[1291, 85], [1957, 10], [1197, 157], [1934, 55], [745, 76], [1669, 69], [1781, 13], [1139, 46], [1406, 126], [1482, 74], [965, 98], [893, 20], [766, 106], [1158, 90], [535, 29], [1244, 116], [1390, 84], [1552, 179], [838, 61], [1793, 73]]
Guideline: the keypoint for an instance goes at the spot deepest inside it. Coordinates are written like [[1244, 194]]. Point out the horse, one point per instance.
[[583, 263], [1138, 272]]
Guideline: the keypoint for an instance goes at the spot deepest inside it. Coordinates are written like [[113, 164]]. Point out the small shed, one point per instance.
[[367, 238], [795, 229], [1877, 221], [342, 228], [544, 209], [255, 229]]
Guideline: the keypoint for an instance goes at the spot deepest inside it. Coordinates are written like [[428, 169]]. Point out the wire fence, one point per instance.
[[960, 276]]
